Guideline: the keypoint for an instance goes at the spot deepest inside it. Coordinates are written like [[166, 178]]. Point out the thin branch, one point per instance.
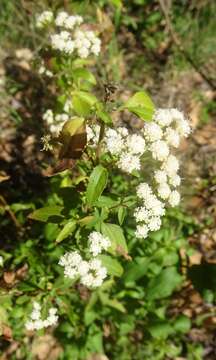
[[10, 212]]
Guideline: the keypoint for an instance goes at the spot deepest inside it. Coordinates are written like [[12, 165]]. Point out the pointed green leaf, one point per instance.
[[46, 213], [112, 265], [97, 183], [84, 74], [163, 284], [116, 236], [67, 230], [141, 105]]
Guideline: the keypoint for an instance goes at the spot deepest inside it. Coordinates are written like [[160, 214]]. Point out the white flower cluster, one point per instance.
[[90, 273], [127, 148], [45, 18], [163, 133], [159, 136], [98, 242], [36, 322], [70, 37], [55, 122], [150, 213], [64, 20], [1, 261], [86, 42]]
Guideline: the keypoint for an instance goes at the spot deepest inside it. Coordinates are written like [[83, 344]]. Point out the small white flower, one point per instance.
[[177, 115], [155, 206], [141, 214], [164, 191], [83, 268], [60, 19], [136, 144], [114, 142], [44, 19], [123, 131], [142, 231], [163, 117], [174, 198], [98, 243], [152, 132], [159, 150], [36, 323], [171, 165], [69, 47], [143, 191], [87, 280], [160, 176], [48, 116], [129, 163], [154, 224], [175, 180], [172, 137], [183, 128]]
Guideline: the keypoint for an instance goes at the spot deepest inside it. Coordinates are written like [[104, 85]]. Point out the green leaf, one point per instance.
[[114, 303], [163, 284], [116, 236], [47, 213], [97, 183], [103, 115], [182, 324], [84, 74], [160, 330], [67, 230], [136, 270], [121, 214], [83, 102], [81, 107], [112, 265], [141, 105], [106, 201]]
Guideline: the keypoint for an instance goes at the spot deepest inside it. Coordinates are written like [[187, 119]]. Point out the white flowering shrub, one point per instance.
[[106, 248]]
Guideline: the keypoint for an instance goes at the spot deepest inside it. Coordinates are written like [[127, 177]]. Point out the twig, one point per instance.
[[10, 212], [181, 48]]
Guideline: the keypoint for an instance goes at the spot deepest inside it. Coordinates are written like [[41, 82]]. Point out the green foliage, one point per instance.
[[127, 317], [141, 105]]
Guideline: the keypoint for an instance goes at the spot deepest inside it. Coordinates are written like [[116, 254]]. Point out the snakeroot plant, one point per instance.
[[107, 252], [81, 129]]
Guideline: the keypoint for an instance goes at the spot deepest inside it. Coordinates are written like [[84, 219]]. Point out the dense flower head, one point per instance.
[[96, 274], [69, 38], [153, 132], [160, 150], [90, 273], [36, 322], [98, 243], [129, 162], [45, 18], [136, 144], [127, 147]]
